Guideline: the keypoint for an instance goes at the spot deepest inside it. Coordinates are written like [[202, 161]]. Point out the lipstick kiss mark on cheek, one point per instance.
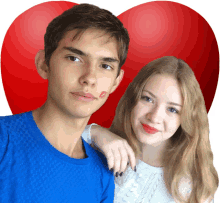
[[103, 93]]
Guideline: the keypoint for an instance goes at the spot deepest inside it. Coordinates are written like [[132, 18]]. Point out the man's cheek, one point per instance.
[[104, 86]]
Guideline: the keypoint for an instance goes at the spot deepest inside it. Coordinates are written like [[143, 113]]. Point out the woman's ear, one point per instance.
[[41, 65]]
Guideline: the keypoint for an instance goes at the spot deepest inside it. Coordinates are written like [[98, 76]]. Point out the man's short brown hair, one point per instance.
[[82, 17]]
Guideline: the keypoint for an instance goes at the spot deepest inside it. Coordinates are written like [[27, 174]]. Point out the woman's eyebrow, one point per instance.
[[173, 103], [150, 93]]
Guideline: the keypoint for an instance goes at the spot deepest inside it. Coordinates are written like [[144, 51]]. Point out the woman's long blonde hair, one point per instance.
[[189, 154]]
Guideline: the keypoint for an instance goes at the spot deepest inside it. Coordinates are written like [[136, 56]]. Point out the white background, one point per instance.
[[9, 10]]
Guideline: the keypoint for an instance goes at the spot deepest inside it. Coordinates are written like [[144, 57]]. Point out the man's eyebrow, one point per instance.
[[75, 51], [109, 59], [171, 103], [81, 53]]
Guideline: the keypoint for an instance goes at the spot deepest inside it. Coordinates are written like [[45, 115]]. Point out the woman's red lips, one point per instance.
[[149, 129]]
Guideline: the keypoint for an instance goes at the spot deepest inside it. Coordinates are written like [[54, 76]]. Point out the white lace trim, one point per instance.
[[139, 186]]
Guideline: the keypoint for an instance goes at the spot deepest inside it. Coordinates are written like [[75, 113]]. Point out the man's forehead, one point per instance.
[[93, 33], [88, 39]]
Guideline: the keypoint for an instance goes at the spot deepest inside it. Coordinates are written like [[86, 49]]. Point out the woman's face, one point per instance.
[[156, 117]]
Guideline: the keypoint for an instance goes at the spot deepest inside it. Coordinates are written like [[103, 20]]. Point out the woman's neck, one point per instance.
[[153, 155]]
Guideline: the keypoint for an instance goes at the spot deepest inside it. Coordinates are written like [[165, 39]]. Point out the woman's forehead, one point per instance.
[[164, 86]]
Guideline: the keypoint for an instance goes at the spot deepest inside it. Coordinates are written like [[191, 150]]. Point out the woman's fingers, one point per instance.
[[117, 161], [118, 154], [124, 159], [116, 149], [131, 156], [110, 158]]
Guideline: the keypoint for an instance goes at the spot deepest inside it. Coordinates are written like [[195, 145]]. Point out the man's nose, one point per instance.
[[89, 77]]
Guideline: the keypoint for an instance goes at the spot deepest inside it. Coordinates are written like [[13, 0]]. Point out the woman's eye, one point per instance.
[[146, 98], [73, 58], [173, 110], [105, 66]]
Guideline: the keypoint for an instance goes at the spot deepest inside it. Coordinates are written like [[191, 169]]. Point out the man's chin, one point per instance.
[[80, 114]]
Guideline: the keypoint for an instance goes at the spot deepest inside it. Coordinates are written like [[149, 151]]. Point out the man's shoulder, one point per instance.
[[98, 159], [10, 119], [101, 173], [13, 122], [11, 129]]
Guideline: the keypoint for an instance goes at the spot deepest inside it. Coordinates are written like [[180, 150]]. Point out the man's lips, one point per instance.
[[83, 96], [149, 129]]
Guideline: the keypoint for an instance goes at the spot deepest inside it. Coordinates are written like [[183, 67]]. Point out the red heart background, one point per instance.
[[156, 29], [9, 10]]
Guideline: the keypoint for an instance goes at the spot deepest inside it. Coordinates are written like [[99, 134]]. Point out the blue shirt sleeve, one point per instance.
[[108, 194], [3, 140], [107, 181]]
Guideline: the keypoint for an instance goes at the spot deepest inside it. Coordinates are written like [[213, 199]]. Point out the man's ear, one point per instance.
[[117, 81], [41, 65]]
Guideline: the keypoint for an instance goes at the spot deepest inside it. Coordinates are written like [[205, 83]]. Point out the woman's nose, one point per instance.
[[156, 114]]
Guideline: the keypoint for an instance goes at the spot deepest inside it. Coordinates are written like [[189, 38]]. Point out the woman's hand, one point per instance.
[[116, 149]]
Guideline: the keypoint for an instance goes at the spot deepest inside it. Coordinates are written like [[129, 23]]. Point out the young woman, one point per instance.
[[162, 116]]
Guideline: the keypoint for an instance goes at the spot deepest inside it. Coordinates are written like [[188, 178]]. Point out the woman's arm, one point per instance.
[[86, 133], [116, 149]]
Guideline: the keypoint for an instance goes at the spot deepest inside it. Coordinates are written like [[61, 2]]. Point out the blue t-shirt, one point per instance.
[[32, 170]]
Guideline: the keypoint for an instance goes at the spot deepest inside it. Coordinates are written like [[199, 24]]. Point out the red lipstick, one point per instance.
[[149, 129], [102, 94]]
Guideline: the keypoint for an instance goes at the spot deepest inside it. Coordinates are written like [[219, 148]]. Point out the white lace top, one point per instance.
[[146, 185]]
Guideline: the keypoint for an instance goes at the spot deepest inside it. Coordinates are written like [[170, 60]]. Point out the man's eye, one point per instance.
[[147, 99], [73, 58], [105, 66], [173, 110]]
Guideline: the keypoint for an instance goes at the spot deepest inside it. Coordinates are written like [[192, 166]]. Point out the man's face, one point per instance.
[[83, 72]]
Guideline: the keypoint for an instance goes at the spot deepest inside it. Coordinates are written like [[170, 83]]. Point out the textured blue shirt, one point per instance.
[[32, 170]]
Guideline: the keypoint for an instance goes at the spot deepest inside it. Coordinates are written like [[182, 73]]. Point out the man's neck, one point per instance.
[[62, 131]]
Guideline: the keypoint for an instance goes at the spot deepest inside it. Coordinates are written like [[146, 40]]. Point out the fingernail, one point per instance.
[[111, 169], [121, 173], [135, 169], [116, 174]]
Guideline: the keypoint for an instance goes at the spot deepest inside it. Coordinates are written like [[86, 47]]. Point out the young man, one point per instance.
[[42, 155]]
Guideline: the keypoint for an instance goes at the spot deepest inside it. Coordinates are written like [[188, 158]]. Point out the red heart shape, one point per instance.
[[156, 29]]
